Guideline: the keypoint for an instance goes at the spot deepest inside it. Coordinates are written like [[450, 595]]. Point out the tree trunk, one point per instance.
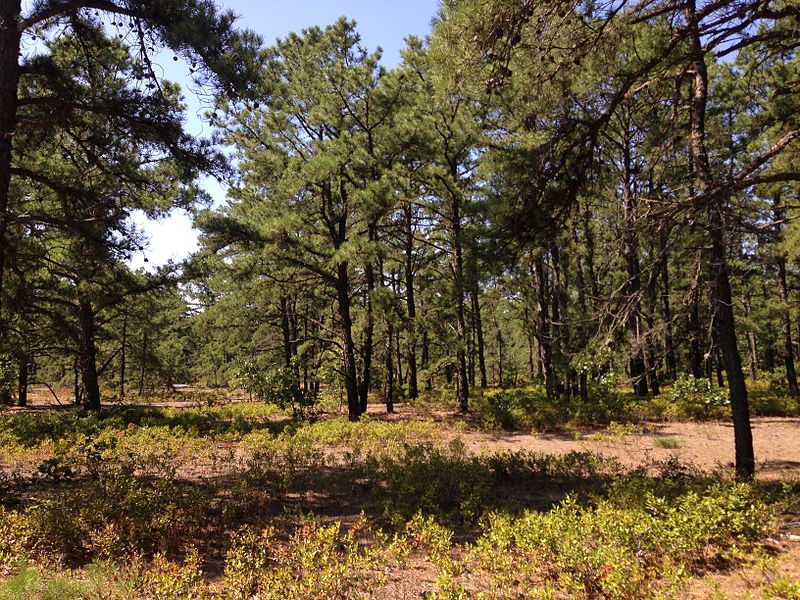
[[786, 320], [76, 380], [543, 332], [594, 286], [752, 349], [471, 343], [143, 363], [718, 266], [22, 390], [369, 329], [462, 383], [476, 307], [10, 36], [561, 315], [529, 334], [286, 331], [637, 367], [499, 336], [389, 396], [354, 406], [426, 353], [786, 327], [122, 364], [88, 355], [411, 308], [670, 363], [695, 353]]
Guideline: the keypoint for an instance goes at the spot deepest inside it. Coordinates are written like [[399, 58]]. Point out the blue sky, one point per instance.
[[383, 23]]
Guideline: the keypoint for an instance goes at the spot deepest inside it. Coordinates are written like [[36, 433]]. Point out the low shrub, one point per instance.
[[111, 516], [697, 399], [317, 561], [616, 551]]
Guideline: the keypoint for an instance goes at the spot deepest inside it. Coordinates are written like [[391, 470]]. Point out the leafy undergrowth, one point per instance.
[[118, 506], [687, 399]]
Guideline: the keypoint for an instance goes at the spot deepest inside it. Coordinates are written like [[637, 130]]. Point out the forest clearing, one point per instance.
[[508, 309]]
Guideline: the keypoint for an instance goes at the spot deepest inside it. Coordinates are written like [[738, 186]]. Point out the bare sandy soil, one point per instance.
[[706, 445]]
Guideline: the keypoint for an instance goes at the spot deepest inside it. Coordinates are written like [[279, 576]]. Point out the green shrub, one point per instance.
[[614, 550], [666, 442], [281, 388], [783, 588], [527, 408], [168, 580], [697, 399], [318, 561], [436, 479], [111, 516]]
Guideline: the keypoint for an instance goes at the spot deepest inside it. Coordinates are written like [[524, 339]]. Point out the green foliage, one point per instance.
[[168, 580], [666, 442], [769, 395], [615, 550], [110, 516], [617, 534], [318, 561], [437, 479], [697, 398], [783, 588], [281, 388], [436, 540], [517, 409]]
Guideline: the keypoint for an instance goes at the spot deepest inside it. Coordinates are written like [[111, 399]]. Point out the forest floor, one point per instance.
[[706, 445], [422, 503]]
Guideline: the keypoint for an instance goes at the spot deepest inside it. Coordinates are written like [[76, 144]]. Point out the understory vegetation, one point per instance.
[[243, 501]]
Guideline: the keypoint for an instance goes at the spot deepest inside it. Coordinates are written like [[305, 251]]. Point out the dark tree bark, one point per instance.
[[122, 364], [76, 381], [786, 327], [752, 349], [369, 327], [695, 336], [529, 334], [143, 362], [543, 331], [561, 315], [630, 250], [471, 345], [411, 308], [22, 390], [670, 363], [499, 339], [462, 383], [718, 265], [594, 286], [88, 355], [426, 353], [10, 36], [354, 406], [476, 308], [389, 363], [286, 331], [786, 319]]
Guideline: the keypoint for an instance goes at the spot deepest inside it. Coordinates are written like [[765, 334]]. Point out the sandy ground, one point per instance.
[[708, 446]]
